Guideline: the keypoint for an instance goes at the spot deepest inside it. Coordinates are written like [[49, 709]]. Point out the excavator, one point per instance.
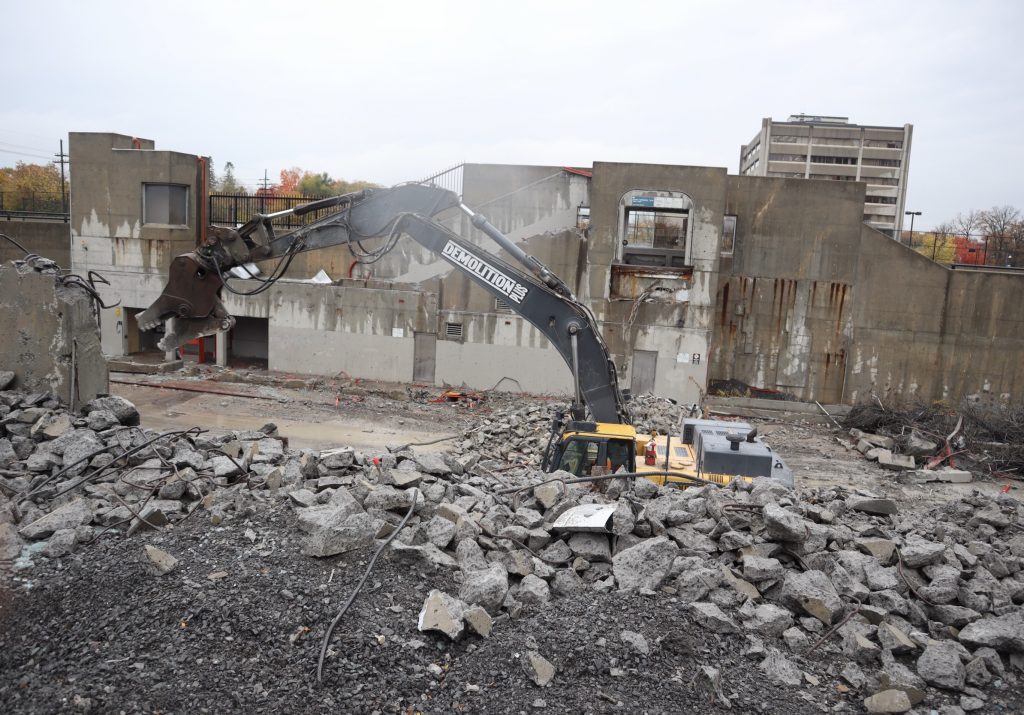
[[595, 437]]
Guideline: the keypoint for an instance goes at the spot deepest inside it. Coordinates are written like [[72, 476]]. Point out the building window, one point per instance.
[[789, 139], [835, 141], [728, 234], [880, 181], [583, 218], [786, 174], [654, 228], [818, 159], [884, 143], [881, 162], [165, 204], [786, 157], [880, 200]]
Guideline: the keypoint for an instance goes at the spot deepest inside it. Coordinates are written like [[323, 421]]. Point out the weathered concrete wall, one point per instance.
[[677, 322], [815, 303], [51, 340], [51, 239], [107, 229], [784, 302], [924, 331]]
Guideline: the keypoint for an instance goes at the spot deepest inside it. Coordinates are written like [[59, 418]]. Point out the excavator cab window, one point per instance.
[[579, 456], [621, 453]]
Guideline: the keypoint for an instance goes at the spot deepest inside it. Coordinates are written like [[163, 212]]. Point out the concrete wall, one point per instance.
[[51, 341], [51, 239], [107, 230], [817, 304], [675, 322]]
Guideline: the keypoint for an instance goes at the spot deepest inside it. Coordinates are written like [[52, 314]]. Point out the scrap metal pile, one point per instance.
[[904, 609], [984, 437]]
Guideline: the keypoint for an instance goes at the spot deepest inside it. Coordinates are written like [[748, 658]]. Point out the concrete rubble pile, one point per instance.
[[922, 608], [910, 452], [519, 435]]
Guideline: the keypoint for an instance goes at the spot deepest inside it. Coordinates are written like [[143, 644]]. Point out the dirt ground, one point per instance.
[[332, 416]]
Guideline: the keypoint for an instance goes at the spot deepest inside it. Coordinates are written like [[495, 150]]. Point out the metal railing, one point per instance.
[[450, 179], [236, 209], [33, 204]]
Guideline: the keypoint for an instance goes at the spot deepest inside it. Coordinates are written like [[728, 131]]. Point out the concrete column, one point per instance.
[[169, 355], [221, 340]]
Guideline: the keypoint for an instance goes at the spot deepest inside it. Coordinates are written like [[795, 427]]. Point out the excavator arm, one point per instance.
[[196, 279]]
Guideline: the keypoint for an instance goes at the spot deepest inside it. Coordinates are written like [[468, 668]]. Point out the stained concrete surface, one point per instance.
[[50, 337]]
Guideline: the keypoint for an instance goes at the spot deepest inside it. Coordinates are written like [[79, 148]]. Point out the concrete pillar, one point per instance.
[[221, 341], [169, 355]]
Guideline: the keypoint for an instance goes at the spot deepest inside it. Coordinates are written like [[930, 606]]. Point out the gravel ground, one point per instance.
[[236, 627]]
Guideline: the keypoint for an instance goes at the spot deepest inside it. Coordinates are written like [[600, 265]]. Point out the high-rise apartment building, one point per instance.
[[831, 148]]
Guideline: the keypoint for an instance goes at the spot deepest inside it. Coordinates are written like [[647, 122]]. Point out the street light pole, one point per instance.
[[911, 214]]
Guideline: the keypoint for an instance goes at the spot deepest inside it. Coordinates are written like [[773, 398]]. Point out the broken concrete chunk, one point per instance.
[[756, 568], [888, 701], [784, 525], [895, 639], [780, 669], [533, 591], [538, 668], [224, 466], [6, 379], [60, 544], [157, 561], [442, 613], [916, 554], [1003, 633], [125, 411], [548, 494], [645, 565], [590, 546], [479, 621], [881, 507], [896, 462], [355, 531], [812, 592], [485, 587], [69, 516], [636, 641], [940, 666], [712, 617]]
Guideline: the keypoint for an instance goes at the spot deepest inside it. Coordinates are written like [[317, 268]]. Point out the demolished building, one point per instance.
[[694, 276]]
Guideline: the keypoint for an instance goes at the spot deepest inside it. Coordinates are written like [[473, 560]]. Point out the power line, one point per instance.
[[22, 153]]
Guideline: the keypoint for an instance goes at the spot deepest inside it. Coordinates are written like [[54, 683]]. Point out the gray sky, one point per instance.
[[396, 91]]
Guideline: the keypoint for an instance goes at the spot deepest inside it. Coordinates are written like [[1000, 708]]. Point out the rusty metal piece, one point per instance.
[[192, 298]]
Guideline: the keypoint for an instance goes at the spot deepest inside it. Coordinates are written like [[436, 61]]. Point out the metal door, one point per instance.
[[645, 363], [424, 357]]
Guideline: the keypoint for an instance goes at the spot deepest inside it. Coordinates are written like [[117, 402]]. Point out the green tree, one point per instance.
[[228, 184], [317, 184]]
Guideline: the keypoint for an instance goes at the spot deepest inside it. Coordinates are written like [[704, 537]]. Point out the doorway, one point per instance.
[[645, 364]]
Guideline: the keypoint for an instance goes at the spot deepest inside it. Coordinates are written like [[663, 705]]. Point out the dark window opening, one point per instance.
[[165, 204], [728, 234]]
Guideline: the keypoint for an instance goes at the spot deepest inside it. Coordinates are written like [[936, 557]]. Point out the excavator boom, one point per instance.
[[196, 279]]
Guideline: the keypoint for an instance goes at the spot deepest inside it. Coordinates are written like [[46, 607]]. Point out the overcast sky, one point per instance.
[[396, 91]]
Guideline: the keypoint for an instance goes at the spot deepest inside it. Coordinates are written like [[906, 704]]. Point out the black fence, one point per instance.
[[236, 209], [33, 204]]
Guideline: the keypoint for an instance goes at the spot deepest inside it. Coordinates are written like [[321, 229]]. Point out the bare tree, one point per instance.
[[996, 223], [967, 223]]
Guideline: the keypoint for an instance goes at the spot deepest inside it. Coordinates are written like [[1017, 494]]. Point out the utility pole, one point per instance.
[[62, 158], [266, 187]]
